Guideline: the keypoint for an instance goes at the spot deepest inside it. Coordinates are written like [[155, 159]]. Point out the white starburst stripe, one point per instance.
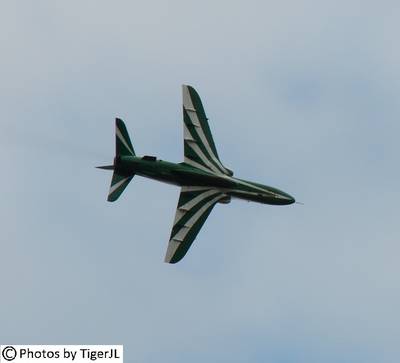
[[114, 187], [193, 189], [187, 102], [195, 147], [187, 136], [182, 210], [195, 120], [197, 165], [203, 158], [276, 195], [181, 234], [245, 193], [121, 137], [191, 203], [171, 250], [253, 186]]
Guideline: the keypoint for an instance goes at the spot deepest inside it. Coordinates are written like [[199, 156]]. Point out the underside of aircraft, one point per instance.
[[203, 179]]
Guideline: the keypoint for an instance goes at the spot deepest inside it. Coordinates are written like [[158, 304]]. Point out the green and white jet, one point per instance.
[[203, 179]]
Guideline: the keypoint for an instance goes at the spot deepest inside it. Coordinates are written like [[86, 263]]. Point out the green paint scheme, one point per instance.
[[185, 175], [203, 179]]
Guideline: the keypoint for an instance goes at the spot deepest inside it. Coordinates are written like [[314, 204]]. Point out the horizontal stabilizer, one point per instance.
[[118, 185]]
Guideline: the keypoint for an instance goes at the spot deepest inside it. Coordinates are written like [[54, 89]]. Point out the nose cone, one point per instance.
[[291, 200], [286, 198]]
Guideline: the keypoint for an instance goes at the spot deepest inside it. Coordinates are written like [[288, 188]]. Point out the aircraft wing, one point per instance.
[[199, 147], [194, 206]]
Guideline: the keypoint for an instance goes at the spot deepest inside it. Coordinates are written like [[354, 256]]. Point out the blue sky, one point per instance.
[[300, 95]]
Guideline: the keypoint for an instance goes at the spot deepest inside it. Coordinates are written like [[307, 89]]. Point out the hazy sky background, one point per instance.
[[301, 95]]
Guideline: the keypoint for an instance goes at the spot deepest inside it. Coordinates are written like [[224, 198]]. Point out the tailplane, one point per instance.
[[118, 185]]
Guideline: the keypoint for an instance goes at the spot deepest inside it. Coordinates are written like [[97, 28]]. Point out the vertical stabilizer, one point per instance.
[[123, 145]]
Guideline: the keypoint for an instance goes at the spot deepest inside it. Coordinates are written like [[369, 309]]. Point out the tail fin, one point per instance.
[[123, 147]]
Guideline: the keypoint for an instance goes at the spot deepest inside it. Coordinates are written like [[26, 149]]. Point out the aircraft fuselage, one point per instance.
[[183, 174]]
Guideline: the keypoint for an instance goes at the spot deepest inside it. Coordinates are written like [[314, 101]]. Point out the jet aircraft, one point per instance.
[[203, 179]]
